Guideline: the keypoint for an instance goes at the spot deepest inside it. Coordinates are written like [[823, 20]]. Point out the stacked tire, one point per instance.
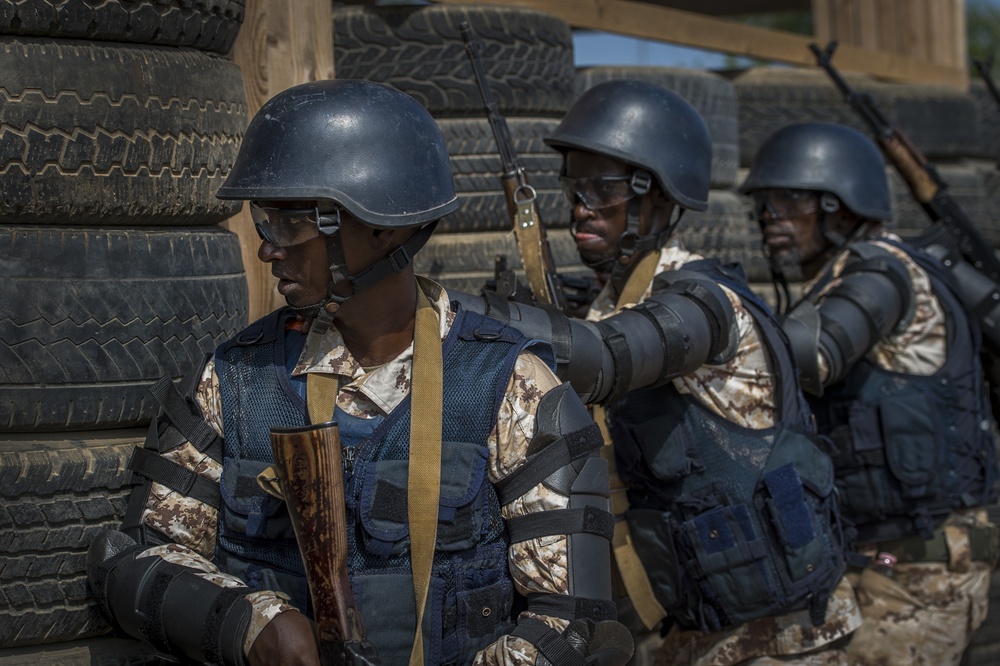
[[527, 58], [118, 122]]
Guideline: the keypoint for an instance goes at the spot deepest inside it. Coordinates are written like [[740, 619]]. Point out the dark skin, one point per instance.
[[377, 325], [805, 232], [598, 231]]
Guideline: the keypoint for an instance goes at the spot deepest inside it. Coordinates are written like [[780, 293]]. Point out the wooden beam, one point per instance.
[[282, 43], [642, 19]]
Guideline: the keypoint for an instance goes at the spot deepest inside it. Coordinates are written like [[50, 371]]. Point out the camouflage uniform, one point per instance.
[[537, 565], [741, 391], [926, 613]]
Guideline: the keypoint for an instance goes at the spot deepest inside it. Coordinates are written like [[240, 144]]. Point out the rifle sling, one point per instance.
[[424, 477], [642, 275], [630, 568]]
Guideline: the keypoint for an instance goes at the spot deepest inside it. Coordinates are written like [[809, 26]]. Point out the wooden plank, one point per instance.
[[640, 19], [869, 21], [822, 15], [888, 25], [281, 43]]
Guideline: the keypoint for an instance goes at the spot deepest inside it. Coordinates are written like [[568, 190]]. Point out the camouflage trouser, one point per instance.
[[787, 640], [923, 616]]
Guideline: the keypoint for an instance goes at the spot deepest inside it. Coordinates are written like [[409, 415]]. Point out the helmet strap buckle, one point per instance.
[[399, 259], [641, 182], [328, 224]]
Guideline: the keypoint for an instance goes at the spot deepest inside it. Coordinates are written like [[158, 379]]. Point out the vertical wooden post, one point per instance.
[[282, 43], [927, 30]]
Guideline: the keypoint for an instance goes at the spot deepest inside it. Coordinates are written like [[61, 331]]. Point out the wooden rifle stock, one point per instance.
[[311, 476], [529, 231]]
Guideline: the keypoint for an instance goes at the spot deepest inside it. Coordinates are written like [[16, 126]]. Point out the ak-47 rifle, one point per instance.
[[536, 256], [979, 281], [311, 478], [929, 189]]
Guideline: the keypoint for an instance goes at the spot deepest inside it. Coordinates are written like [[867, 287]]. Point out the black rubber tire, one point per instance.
[[466, 260], [989, 217], [527, 56], [58, 492], [942, 122], [712, 95], [102, 134], [91, 317], [207, 25], [476, 165], [988, 110], [87, 652], [966, 186]]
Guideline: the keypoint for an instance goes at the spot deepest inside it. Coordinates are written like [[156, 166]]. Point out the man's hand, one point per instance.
[[289, 639]]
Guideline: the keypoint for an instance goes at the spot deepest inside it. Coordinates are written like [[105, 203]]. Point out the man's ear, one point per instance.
[[383, 239]]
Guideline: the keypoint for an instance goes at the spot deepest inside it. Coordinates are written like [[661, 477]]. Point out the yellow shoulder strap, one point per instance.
[[424, 476], [639, 279]]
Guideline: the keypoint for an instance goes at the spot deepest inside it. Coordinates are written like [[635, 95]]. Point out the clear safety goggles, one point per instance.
[[784, 204], [597, 192], [285, 227]]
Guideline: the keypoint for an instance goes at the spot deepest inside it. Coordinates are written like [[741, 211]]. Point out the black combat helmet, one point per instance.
[[645, 125], [827, 158], [371, 148]]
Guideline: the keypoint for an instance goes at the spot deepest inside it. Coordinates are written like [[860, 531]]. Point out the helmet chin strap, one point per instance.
[[630, 243], [395, 262]]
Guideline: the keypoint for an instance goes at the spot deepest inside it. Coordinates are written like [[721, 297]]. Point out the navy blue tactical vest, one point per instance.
[[731, 524], [469, 604], [912, 448]]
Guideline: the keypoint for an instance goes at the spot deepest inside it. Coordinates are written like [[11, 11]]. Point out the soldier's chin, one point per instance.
[[787, 262]]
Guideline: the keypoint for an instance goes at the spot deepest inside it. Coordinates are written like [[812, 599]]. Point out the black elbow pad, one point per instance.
[[166, 604], [873, 298]]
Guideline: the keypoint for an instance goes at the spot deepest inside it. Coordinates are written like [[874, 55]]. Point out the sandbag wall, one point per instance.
[[118, 123]]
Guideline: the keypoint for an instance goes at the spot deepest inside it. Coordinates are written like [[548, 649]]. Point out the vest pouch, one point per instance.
[[246, 509], [484, 615], [388, 609], [796, 485], [730, 558], [383, 501], [912, 443], [652, 533]]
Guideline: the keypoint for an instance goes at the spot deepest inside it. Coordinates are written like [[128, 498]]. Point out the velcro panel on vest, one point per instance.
[[549, 642], [184, 417], [569, 607], [175, 477], [785, 489], [586, 520], [540, 465]]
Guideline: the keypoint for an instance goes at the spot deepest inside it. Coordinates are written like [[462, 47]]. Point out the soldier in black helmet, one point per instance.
[[891, 361], [346, 181], [728, 539]]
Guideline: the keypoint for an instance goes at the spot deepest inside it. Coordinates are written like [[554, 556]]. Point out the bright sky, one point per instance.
[[597, 48]]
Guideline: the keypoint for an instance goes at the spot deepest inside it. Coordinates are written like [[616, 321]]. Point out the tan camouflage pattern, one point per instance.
[[918, 349], [538, 565], [512, 650], [740, 390], [785, 639], [926, 613]]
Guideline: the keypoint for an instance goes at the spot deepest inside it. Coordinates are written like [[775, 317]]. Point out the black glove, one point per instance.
[[605, 643]]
